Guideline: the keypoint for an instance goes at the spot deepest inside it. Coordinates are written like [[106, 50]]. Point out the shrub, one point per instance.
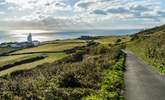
[[80, 75], [68, 80], [118, 40]]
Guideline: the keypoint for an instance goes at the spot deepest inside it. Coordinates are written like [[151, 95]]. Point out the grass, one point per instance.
[[98, 73], [51, 47], [150, 46], [51, 58], [112, 39], [11, 59], [112, 85], [65, 41], [139, 49], [4, 49], [4, 59]]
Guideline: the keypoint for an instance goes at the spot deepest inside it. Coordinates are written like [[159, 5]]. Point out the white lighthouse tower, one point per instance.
[[29, 38]]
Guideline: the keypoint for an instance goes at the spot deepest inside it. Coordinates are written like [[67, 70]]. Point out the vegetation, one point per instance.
[[150, 46], [51, 58], [23, 60], [9, 59], [51, 47], [112, 85], [93, 69], [65, 41], [111, 40], [6, 50], [55, 50]]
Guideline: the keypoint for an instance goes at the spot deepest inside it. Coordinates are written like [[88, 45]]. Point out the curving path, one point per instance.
[[142, 83]]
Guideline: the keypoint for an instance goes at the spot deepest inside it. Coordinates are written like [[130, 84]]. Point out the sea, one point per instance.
[[41, 35]]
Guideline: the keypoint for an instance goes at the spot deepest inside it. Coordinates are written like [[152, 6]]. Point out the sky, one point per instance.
[[60, 15]]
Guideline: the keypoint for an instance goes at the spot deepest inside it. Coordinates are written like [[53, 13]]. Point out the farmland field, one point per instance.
[[9, 59], [51, 47], [51, 58], [112, 39]]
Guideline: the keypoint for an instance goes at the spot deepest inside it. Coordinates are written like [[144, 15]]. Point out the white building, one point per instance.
[[29, 38], [26, 44]]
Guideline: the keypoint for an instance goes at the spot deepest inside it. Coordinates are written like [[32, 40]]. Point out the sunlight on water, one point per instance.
[[43, 35], [21, 35]]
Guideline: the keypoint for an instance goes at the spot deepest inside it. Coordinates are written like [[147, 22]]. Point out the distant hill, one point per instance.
[[150, 45], [149, 32]]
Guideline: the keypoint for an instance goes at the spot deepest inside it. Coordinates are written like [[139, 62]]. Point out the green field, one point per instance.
[[56, 47], [112, 39], [51, 47], [9, 59], [65, 41], [5, 49], [54, 50], [51, 58]]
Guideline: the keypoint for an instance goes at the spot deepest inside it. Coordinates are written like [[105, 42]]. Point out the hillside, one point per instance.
[[150, 46], [90, 72], [54, 50]]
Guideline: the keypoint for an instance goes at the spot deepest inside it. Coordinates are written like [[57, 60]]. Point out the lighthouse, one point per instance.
[[29, 38]]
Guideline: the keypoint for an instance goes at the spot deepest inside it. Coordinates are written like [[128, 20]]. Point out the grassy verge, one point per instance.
[[112, 85], [139, 49]]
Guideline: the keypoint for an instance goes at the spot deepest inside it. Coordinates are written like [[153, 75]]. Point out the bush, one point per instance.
[[75, 77], [118, 40], [112, 85], [101, 49], [68, 80]]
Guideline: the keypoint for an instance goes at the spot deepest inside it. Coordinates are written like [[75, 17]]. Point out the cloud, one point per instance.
[[140, 8], [38, 8], [85, 5], [118, 10], [2, 13], [52, 13], [161, 13], [35, 4], [128, 9], [99, 12]]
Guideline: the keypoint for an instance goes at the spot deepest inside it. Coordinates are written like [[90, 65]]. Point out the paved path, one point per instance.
[[142, 83]]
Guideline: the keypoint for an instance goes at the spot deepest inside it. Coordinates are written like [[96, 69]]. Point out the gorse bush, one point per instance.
[[92, 70]]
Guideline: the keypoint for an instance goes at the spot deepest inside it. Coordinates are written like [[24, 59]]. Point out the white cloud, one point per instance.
[[39, 8], [2, 13], [121, 9], [58, 12]]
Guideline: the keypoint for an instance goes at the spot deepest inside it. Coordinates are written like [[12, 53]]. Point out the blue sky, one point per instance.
[[80, 14]]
